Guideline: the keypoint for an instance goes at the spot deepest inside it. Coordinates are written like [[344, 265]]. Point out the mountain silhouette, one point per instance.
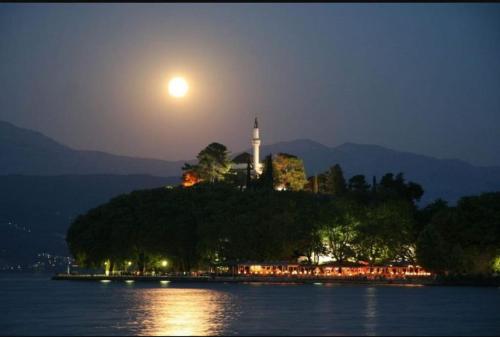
[[448, 179], [32, 153]]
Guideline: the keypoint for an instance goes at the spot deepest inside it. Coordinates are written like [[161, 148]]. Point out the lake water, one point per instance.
[[35, 305]]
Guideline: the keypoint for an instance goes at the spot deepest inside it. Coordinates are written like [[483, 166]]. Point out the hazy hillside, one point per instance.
[[35, 211], [25, 151]]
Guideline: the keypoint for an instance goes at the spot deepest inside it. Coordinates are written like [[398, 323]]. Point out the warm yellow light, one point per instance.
[[178, 87], [164, 263]]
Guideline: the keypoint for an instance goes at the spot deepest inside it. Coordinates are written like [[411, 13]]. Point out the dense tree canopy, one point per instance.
[[230, 215], [195, 227], [464, 239], [212, 223]]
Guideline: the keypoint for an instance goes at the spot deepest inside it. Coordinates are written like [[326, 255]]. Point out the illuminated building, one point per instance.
[[257, 165], [240, 161], [328, 270]]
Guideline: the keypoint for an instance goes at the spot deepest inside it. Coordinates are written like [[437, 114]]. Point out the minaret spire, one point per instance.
[[256, 145]]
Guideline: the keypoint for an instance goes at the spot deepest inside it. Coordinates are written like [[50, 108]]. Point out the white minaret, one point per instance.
[[256, 144]]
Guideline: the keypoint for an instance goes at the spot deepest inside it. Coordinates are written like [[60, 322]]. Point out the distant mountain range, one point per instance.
[[44, 185], [449, 179], [25, 151], [29, 152]]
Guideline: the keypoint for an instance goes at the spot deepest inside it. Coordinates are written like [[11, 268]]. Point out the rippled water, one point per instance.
[[35, 305]]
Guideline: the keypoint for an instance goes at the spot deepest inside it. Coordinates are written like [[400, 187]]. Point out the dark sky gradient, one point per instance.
[[416, 77]]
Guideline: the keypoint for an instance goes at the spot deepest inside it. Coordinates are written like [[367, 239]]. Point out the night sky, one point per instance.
[[423, 78]]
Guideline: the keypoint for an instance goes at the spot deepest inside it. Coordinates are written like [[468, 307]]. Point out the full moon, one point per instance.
[[178, 87]]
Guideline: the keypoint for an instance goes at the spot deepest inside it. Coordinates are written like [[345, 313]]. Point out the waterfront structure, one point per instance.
[[277, 271], [331, 269]]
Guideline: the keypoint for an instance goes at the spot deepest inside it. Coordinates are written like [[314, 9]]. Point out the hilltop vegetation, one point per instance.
[[215, 222]]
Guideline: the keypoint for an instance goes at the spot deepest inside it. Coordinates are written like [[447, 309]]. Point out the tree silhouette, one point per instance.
[[266, 180], [335, 182]]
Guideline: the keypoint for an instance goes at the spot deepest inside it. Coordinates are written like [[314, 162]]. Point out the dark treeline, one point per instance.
[[213, 223], [461, 240]]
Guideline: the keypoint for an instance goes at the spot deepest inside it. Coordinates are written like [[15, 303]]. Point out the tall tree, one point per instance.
[[432, 250], [289, 172], [358, 183], [341, 228], [468, 234], [213, 163], [315, 187], [374, 185], [249, 175], [335, 181], [395, 187], [266, 179], [385, 233]]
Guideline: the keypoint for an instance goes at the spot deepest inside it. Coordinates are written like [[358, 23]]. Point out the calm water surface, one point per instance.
[[35, 305]]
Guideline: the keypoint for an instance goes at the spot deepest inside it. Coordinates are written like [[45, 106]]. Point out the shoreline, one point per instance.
[[410, 281], [243, 279]]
